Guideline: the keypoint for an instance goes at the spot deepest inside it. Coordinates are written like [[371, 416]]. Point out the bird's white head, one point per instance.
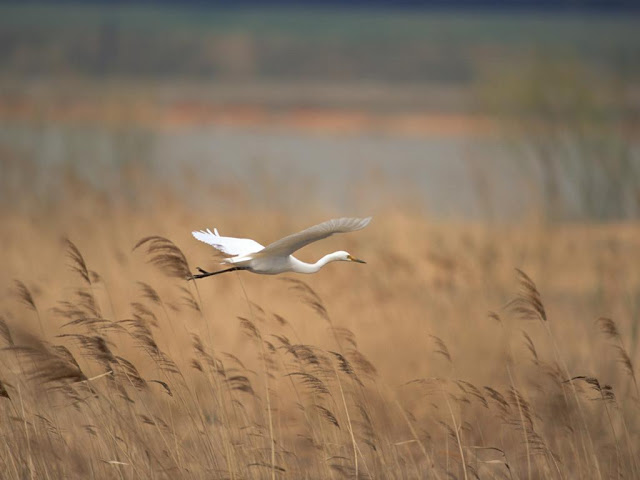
[[346, 257]]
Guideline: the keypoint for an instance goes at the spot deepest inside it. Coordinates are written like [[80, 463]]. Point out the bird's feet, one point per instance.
[[203, 273]]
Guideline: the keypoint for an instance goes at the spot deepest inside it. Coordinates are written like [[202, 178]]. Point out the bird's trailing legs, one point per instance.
[[204, 273]]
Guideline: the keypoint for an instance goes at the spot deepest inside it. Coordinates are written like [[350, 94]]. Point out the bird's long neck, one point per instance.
[[303, 267]]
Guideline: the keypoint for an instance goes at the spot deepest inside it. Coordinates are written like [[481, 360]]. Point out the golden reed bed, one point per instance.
[[436, 360]]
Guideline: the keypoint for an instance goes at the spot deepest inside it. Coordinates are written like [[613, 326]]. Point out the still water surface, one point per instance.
[[456, 177]]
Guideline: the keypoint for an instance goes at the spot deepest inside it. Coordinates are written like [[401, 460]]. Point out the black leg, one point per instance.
[[204, 273]]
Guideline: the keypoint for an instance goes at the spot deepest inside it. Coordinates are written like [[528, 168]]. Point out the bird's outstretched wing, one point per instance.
[[229, 245], [288, 245]]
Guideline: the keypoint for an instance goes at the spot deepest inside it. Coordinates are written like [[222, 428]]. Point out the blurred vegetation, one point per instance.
[[296, 44], [564, 86], [573, 129]]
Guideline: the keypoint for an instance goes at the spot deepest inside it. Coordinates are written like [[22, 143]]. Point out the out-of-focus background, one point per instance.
[[482, 137], [479, 112]]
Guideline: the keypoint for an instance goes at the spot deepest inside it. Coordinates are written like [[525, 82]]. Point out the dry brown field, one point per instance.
[[437, 359]]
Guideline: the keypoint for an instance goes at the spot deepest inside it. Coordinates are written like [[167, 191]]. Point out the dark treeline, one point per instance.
[[167, 40]]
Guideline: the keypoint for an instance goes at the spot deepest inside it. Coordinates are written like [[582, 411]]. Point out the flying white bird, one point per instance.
[[247, 254]]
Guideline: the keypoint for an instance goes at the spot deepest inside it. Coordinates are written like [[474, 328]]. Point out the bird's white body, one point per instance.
[[247, 254], [267, 265]]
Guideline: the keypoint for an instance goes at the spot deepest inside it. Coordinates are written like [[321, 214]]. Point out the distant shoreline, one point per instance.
[[310, 120]]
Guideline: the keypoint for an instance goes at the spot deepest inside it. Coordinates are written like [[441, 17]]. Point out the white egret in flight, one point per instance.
[[247, 254]]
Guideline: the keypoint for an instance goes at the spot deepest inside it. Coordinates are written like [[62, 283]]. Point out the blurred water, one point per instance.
[[446, 176], [355, 171]]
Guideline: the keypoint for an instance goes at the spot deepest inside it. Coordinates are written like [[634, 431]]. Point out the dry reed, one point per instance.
[[348, 374]]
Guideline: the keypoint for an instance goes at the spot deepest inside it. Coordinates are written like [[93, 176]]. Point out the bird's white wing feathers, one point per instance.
[[288, 245], [229, 245]]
